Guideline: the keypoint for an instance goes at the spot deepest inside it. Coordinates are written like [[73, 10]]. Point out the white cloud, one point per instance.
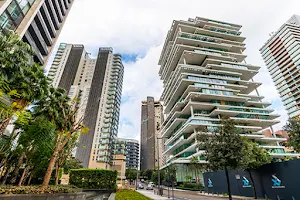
[[141, 80], [140, 27]]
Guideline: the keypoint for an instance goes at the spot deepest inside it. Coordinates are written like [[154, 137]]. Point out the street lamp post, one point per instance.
[[158, 172]]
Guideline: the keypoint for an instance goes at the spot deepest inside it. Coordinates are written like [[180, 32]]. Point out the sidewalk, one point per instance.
[[151, 195]]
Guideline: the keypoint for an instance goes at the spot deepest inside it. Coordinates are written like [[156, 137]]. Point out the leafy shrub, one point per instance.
[[130, 195], [190, 186], [7, 189], [94, 179]]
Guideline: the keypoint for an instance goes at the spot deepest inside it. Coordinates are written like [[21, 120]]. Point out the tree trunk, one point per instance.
[[4, 124], [57, 168], [23, 175], [3, 167], [5, 176], [253, 185], [228, 183], [50, 168], [17, 168], [29, 179]]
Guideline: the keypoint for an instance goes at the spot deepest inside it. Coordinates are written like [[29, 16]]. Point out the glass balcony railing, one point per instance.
[[229, 103], [224, 31], [218, 92], [234, 66], [201, 112], [221, 23], [225, 76], [252, 116], [208, 80], [208, 52], [250, 110], [276, 150]]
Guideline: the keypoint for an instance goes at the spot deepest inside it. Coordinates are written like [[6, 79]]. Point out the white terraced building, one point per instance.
[[205, 76]]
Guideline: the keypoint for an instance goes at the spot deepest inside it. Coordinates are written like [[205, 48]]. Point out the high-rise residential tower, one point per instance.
[[99, 80], [132, 153], [151, 141], [281, 54], [37, 22], [205, 77]]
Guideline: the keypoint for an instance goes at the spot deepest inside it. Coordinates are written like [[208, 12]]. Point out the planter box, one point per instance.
[[62, 196]]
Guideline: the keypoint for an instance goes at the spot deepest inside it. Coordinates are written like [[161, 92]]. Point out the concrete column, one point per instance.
[[52, 14], [192, 111], [58, 10], [48, 21], [43, 29]]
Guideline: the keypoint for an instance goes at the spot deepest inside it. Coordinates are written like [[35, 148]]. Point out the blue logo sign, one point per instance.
[[276, 182], [210, 183], [245, 181]]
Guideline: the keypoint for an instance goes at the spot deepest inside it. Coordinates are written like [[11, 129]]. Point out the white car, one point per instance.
[[141, 186], [151, 183], [149, 186]]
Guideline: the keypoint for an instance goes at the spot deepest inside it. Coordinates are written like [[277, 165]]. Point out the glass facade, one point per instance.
[[13, 15]]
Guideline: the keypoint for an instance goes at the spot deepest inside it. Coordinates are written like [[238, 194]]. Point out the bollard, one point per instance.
[[278, 197]]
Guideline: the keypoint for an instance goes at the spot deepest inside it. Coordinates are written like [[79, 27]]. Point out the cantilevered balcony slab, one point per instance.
[[233, 113], [272, 147], [272, 139], [264, 123], [195, 56], [198, 153], [258, 104], [180, 142], [182, 38], [283, 155], [168, 130]]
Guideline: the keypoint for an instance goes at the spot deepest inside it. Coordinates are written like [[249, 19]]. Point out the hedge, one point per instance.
[[37, 189], [94, 179], [191, 186]]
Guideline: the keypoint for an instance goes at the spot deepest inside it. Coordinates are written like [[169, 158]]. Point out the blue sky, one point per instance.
[[137, 30]]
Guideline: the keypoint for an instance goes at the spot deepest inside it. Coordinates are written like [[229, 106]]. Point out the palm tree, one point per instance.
[[28, 85], [22, 80]]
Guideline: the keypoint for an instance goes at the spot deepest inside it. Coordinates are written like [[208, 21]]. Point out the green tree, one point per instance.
[[253, 158], [64, 154], [293, 129], [154, 177], [131, 174], [223, 151], [188, 178], [62, 112], [148, 173], [23, 81], [71, 163], [170, 173]]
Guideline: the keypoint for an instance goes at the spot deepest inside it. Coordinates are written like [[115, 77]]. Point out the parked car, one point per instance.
[[151, 183], [149, 186], [142, 180], [141, 186]]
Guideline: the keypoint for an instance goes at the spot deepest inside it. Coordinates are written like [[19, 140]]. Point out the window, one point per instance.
[[15, 12]]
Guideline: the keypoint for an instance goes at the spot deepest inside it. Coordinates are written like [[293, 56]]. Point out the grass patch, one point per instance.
[[36, 189], [130, 195]]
